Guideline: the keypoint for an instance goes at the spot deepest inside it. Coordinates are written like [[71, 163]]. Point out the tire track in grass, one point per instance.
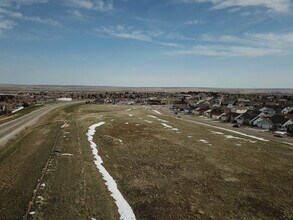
[[124, 209]]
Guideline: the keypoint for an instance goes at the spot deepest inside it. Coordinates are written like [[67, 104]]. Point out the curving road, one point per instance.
[[10, 129]]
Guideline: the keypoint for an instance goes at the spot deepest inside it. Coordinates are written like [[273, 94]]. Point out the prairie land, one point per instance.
[[165, 168]]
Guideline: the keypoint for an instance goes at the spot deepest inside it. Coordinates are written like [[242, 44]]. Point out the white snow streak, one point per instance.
[[161, 120], [124, 208], [157, 112], [169, 126]]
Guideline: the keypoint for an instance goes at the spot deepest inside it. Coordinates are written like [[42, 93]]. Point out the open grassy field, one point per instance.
[[165, 168]]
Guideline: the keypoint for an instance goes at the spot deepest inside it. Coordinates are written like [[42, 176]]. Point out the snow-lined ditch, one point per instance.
[[124, 209], [232, 137], [229, 130]]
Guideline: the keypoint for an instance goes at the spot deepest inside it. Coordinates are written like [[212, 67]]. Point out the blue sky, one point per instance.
[[200, 43]]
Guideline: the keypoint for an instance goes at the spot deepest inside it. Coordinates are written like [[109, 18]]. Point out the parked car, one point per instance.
[[278, 135], [236, 126]]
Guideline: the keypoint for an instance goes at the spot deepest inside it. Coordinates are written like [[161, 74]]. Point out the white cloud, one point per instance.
[[193, 22], [6, 24], [98, 5], [273, 5], [125, 32], [228, 51], [120, 31], [75, 13], [19, 3], [18, 15], [248, 45]]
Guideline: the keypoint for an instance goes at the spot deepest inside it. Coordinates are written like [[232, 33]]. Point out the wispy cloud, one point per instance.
[[6, 24], [19, 3], [194, 22], [126, 32], [98, 5], [248, 45], [18, 15], [273, 5], [227, 51], [75, 13]]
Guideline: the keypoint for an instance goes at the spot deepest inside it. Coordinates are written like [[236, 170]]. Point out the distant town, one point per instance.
[[265, 111]]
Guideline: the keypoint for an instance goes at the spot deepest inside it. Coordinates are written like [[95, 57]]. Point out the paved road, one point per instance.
[[12, 128]]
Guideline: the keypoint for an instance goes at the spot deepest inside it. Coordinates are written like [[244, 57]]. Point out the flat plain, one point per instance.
[[166, 168]]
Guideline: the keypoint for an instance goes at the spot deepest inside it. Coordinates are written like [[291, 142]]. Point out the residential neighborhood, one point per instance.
[[260, 111]]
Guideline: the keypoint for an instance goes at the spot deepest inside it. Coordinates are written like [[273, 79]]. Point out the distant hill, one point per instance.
[[76, 88]]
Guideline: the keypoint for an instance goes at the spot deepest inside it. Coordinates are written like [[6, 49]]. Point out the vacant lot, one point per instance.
[[165, 168]]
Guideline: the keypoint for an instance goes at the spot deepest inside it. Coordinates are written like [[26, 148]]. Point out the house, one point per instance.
[[200, 110], [247, 117], [290, 129], [287, 110], [281, 121], [229, 117], [216, 114], [264, 123], [268, 111], [239, 110], [207, 113]]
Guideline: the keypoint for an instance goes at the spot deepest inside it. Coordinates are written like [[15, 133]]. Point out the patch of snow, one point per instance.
[[238, 145], [157, 112], [136, 124], [189, 136], [203, 141], [233, 137], [65, 125], [43, 185], [280, 132], [128, 110], [148, 121], [32, 213], [112, 119], [124, 208], [288, 143], [169, 126], [161, 120], [217, 132], [67, 154], [126, 123], [130, 115]]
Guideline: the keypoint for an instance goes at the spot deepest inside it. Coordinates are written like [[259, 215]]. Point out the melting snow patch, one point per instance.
[[130, 115], [124, 208], [169, 126], [189, 136], [148, 121], [238, 145], [203, 141], [161, 120], [65, 125], [67, 154], [217, 132], [32, 213], [157, 112], [43, 185], [112, 120], [128, 110], [126, 123]]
